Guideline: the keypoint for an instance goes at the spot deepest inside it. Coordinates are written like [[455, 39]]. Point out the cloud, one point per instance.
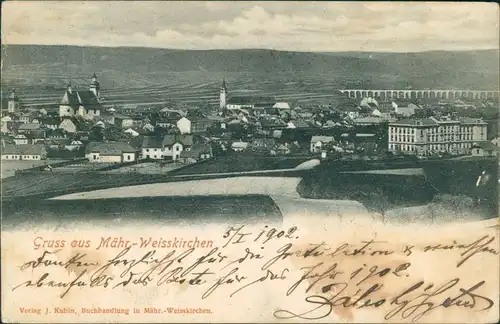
[[304, 26]]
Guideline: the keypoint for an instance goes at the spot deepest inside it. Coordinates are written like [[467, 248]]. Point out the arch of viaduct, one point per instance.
[[420, 94]]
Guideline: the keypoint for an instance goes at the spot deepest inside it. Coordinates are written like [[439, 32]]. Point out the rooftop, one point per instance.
[[116, 148]]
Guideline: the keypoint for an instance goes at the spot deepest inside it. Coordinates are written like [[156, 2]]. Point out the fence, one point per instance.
[[52, 165]]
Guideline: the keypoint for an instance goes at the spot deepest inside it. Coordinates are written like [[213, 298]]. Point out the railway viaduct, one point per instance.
[[420, 94]]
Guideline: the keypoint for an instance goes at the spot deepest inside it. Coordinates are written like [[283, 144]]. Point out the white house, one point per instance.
[[20, 139], [74, 145], [318, 142], [118, 152], [239, 146], [405, 109], [68, 125], [184, 125], [173, 145], [24, 152], [152, 148], [132, 132]]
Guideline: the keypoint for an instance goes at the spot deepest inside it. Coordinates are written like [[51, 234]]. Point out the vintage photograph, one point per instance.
[[140, 116]]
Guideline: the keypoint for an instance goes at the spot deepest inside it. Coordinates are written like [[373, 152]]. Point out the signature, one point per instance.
[[425, 299]]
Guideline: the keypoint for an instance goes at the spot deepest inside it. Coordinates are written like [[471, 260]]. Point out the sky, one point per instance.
[[297, 26]]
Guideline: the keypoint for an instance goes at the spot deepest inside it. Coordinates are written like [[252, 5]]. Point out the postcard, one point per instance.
[[242, 162]]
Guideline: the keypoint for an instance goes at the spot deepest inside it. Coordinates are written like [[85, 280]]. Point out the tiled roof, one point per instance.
[[322, 139], [416, 122], [186, 140], [23, 149], [109, 148], [51, 121], [29, 126], [196, 150], [468, 120], [152, 142], [487, 146], [76, 98]]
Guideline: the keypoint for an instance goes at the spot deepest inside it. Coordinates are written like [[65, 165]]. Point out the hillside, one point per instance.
[[133, 75], [427, 69]]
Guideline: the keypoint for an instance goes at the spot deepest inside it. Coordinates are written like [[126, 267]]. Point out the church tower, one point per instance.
[[13, 103], [223, 94], [94, 86]]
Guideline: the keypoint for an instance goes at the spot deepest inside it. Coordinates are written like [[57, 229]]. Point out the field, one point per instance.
[[146, 168], [10, 167], [187, 88]]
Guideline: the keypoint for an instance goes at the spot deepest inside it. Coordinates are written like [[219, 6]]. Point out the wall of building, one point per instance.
[[128, 157], [152, 153], [65, 110]]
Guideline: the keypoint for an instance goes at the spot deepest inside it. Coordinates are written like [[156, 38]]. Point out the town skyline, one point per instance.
[[302, 27]]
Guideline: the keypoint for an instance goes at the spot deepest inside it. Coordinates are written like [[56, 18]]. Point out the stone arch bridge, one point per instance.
[[421, 94]]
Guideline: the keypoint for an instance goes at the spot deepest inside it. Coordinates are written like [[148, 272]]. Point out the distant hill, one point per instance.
[[52, 65]]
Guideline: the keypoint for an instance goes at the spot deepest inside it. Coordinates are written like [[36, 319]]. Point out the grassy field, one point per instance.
[[190, 88], [10, 167]]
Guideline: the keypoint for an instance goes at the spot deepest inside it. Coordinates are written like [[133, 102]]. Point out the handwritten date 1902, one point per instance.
[[238, 235]]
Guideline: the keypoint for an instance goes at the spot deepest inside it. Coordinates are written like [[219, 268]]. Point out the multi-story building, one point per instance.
[[430, 135]]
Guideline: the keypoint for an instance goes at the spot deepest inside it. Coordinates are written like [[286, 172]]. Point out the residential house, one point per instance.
[[200, 124], [485, 149], [283, 149], [21, 139], [318, 143], [152, 148], [123, 121], [239, 146], [51, 122], [56, 134], [25, 118], [116, 152], [199, 151], [24, 152], [132, 132], [404, 108], [174, 144], [68, 125], [74, 145], [167, 121], [267, 143], [298, 124], [268, 126], [27, 128]]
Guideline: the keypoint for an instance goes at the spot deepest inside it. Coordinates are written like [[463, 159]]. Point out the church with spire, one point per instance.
[[13, 103], [82, 103], [223, 94]]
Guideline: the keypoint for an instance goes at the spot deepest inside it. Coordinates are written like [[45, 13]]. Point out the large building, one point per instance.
[[430, 135], [84, 103]]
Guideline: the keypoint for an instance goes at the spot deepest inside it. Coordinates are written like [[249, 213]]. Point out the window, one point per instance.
[[128, 157], [147, 150], [177, 149], [67, 110]]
